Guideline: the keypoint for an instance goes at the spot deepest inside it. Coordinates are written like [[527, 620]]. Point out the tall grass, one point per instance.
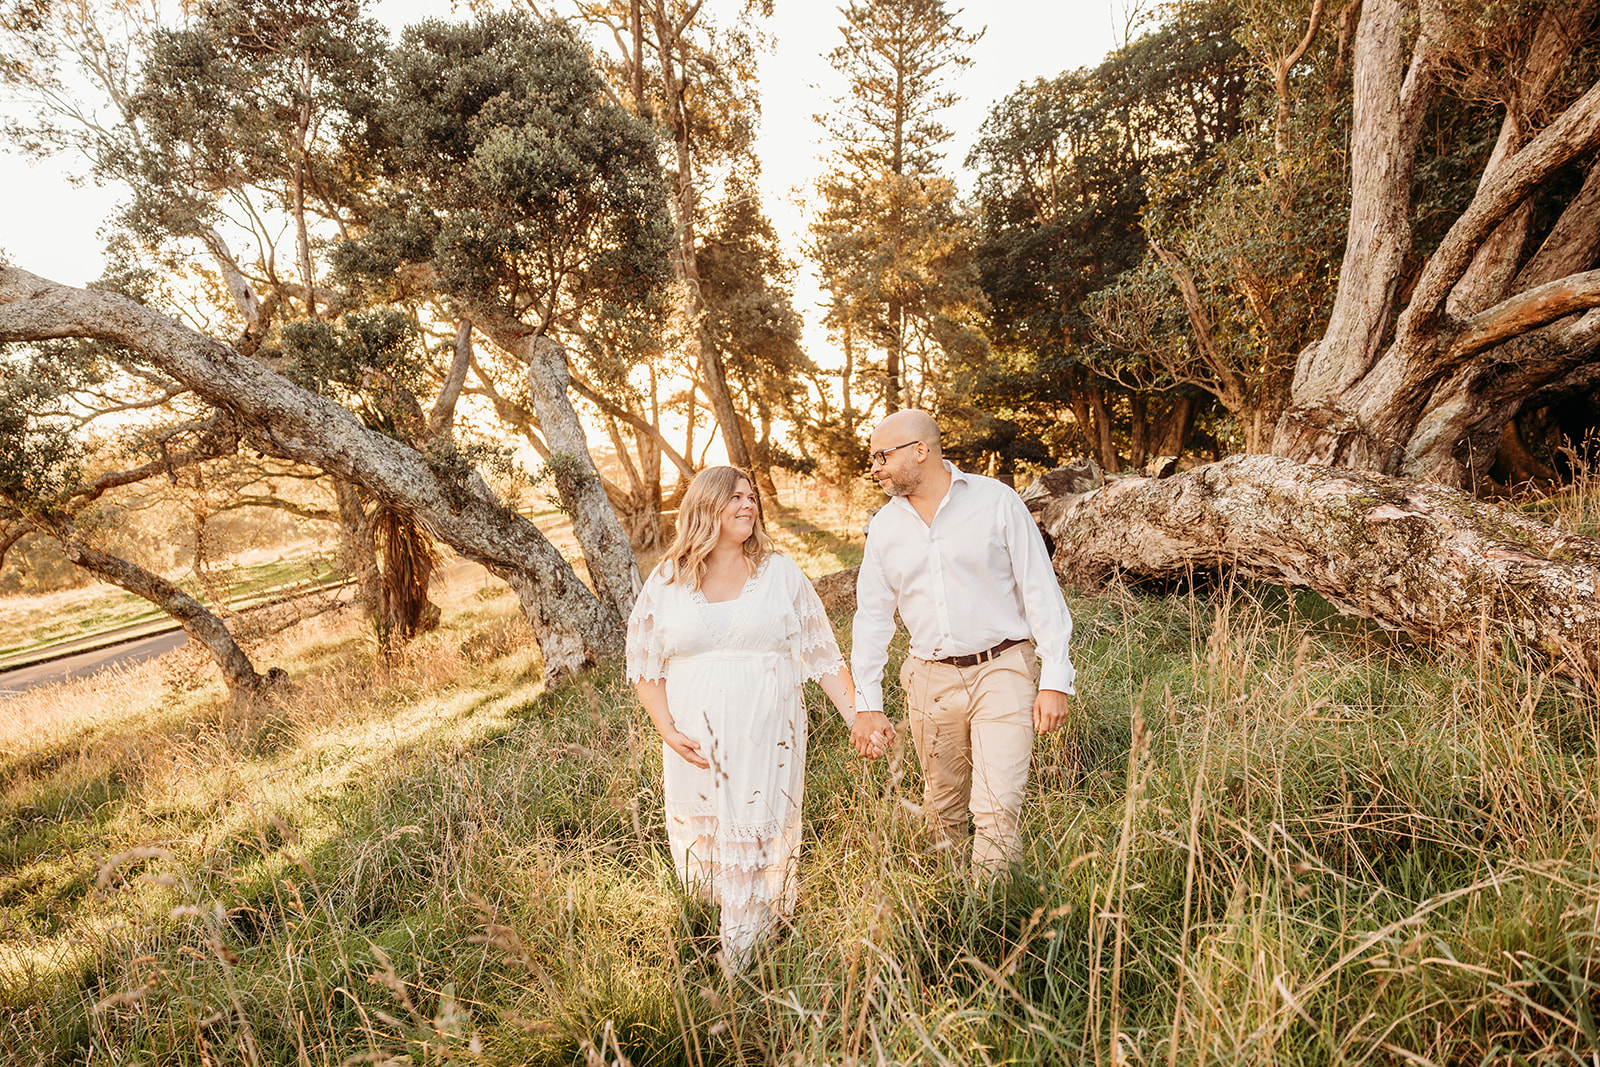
[[1270, 835]]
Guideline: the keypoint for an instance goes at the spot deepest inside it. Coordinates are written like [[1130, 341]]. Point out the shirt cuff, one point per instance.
[[869, 698], [1058, 676]]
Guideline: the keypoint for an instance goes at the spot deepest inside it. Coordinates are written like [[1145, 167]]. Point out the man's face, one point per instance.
[[900, 471]]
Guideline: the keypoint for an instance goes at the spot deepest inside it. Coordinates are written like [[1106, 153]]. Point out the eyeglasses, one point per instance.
[[881, 456]]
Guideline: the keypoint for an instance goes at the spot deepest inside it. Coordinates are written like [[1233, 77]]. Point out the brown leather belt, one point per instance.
[[980, 657]]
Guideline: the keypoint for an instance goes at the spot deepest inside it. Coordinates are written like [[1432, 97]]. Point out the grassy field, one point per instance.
[[1270, 835]]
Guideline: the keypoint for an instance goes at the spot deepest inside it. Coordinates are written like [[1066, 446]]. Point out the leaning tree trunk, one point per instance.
[[685, 255], [1425, 559], [237, 671], [612, 567], [1460, 433], [274, 416]]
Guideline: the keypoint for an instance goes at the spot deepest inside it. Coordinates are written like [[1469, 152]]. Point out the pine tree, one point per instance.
[[890, 248]]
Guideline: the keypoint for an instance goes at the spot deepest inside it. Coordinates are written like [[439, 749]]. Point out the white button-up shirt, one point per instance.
[[975, 576]]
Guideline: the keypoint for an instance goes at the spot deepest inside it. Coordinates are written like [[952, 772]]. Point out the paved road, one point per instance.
[[84, 664]]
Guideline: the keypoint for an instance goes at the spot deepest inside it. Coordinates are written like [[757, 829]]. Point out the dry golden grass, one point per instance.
[[44, 716], [181, 764]]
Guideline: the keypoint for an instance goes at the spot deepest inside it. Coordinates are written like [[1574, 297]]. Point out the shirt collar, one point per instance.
[[956, 475]]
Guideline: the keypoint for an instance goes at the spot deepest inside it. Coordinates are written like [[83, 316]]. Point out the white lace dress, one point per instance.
[[734, 673]]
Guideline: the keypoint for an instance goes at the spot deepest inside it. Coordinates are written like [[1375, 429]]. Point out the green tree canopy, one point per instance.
[[511, 185], [1066, 170], [750, 315]]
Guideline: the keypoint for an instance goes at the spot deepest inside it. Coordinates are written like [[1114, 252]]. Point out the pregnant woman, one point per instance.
[[721, 640]]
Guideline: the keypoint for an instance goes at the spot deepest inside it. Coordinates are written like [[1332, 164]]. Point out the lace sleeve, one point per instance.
[[647, 657], [815, 650]]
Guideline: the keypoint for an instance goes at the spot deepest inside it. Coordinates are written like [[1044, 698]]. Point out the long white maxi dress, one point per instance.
[[734, 673]]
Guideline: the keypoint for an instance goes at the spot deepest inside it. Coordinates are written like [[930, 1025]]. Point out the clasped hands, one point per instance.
[[872, 733]]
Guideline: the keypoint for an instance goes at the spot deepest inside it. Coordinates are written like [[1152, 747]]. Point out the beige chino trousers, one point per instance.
[[973, 730]]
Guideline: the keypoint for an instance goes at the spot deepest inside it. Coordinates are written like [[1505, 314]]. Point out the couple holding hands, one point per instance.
[[727, 630]]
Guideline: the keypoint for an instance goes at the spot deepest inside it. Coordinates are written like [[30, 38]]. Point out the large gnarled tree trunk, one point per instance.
[[572, 626], [1421, 384]]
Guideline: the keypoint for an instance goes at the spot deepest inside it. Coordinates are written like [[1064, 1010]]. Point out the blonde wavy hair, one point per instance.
[[700, 524]]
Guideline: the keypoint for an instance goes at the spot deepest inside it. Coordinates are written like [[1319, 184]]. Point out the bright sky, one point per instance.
[[50, 227]]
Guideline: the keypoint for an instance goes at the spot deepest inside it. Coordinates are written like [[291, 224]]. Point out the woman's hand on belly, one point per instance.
[[685, 746]]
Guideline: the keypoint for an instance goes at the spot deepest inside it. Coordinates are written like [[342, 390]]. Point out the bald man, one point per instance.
[[962, 561]]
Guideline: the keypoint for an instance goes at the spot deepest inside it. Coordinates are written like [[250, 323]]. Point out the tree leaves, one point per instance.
[[511, 177]]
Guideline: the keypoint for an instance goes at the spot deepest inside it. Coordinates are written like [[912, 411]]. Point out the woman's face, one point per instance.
[[739, 514]]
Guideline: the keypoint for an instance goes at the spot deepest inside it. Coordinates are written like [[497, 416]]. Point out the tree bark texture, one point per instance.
[[244, 297], [1494, 264], [1468, 416], [612, 567], [1420, 558], [1389, 105], [573, 628]]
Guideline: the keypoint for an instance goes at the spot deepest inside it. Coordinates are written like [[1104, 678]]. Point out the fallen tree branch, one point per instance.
[[238, 673], [1421, 558]]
